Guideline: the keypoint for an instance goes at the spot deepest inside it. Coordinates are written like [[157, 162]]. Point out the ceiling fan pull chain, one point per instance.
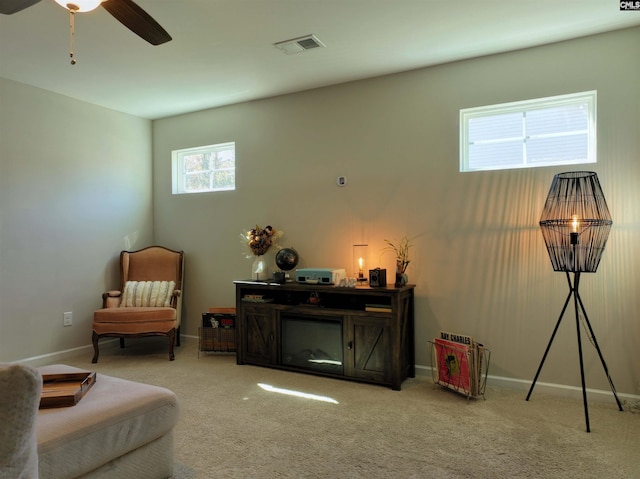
[[72, 35]]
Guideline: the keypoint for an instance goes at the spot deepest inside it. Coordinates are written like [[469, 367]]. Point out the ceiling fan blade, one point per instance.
[[12, 6], [137, 20]]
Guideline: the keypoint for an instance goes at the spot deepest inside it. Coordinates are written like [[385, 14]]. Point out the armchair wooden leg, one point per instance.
[[178, 336], [96, 351], [172, 340]]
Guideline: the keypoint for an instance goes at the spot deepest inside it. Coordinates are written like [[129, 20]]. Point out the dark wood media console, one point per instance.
[[374, 345]]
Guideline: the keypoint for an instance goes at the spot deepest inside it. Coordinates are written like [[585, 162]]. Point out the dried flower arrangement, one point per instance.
[[259, 240]]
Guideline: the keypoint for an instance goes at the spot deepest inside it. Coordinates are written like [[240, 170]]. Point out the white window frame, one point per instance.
[[587, 99], [179, 175]]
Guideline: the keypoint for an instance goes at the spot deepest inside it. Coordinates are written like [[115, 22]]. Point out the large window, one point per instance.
[[559, 130], [204, 168]]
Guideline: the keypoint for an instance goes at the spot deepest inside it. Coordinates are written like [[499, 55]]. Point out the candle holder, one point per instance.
[[360, 257]]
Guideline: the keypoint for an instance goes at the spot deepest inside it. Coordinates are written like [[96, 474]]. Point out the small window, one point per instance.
[[204, 168], [559, 130]]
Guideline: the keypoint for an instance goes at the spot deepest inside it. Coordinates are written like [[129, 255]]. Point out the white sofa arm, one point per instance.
[[21, 386]]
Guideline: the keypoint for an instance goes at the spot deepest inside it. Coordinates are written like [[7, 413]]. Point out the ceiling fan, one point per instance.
[[125, 11]]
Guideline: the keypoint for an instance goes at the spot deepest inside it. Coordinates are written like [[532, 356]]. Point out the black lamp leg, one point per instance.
[[576, 282], [595, 343], [577, 301], [553, 335]]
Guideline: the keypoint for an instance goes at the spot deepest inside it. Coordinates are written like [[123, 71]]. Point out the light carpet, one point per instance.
[[230, 427]]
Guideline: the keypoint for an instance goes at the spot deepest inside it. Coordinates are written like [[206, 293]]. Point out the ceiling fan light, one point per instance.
[[79, 5]]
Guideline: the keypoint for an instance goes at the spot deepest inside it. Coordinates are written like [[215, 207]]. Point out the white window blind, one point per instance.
[[559, 130]]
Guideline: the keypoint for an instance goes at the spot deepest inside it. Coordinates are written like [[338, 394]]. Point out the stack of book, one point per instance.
[[256, 298], [461, 363], [378, 308]]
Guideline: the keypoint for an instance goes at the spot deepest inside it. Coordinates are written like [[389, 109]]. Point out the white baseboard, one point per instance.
[[60, 356], [562, 390], [497, 381]]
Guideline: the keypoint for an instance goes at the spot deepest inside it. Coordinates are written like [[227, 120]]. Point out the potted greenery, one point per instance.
[[401, 250]]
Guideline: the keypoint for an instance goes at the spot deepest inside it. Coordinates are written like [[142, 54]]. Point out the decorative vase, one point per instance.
[[259, 270], [401, 280]]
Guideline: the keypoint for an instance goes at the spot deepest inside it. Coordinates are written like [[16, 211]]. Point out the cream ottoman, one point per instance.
[[120, 429]]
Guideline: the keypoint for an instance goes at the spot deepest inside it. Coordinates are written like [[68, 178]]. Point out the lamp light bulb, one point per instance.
[[575, 223], [79, 5]]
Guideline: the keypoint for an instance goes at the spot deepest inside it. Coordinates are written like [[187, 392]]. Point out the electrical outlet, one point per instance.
[[67, 319]]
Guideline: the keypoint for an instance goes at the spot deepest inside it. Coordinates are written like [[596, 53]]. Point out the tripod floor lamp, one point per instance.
[[575, 225]]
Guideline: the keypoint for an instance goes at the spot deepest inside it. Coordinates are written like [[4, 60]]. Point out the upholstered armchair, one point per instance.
[[149, 302]]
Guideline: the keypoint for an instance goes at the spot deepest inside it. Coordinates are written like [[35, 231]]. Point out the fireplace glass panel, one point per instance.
[[312, 343]]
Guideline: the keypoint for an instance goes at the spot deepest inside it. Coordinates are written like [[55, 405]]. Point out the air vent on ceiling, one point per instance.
[[297, 45]]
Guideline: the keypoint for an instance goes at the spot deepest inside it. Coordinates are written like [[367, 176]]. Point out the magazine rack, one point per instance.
[[461, 368], [218, 333]]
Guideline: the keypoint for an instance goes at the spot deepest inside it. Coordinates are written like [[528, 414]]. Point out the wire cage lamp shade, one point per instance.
[[575, 222]]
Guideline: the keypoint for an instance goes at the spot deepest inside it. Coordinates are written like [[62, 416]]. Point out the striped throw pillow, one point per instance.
[[147, 293]]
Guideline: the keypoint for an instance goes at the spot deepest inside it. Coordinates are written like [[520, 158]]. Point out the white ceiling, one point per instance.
[[222, 50]]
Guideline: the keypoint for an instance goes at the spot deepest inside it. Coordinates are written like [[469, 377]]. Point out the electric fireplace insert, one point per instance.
[[312, 343]]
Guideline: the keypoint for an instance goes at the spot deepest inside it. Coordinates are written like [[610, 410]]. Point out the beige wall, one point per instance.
[[78, 184], [75, 189], [479, 262]]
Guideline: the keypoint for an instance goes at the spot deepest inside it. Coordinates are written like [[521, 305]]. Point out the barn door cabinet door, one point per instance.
[[259, 340], [367, 354]]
